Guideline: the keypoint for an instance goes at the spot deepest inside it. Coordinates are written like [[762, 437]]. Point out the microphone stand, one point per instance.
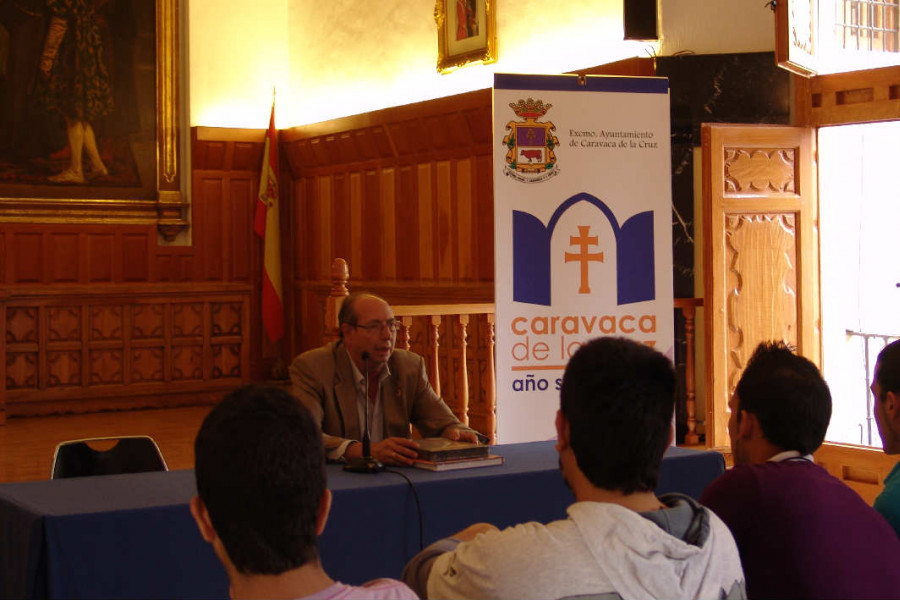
[[366, 463]]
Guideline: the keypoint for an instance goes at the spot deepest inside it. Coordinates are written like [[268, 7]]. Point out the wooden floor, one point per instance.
[[27, 444]]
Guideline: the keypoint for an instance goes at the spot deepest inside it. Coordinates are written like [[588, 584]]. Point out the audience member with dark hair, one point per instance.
[[331, 382], [802, 533], [886, 389], [263, 500], [620, 539]]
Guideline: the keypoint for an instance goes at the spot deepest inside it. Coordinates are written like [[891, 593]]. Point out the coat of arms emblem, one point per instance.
[[530, 143]]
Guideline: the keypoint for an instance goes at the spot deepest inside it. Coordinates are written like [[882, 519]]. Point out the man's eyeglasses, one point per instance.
[[378, 326]]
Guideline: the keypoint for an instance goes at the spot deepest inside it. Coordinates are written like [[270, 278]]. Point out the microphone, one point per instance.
[[367, 463]]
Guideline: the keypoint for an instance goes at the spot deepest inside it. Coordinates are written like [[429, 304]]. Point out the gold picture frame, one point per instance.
[[467, 33], [155, 160]]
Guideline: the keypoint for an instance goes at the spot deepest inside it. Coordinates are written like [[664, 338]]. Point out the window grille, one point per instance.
[[868, 25]]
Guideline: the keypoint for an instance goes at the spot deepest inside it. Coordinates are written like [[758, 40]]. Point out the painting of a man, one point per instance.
[[77, 98]]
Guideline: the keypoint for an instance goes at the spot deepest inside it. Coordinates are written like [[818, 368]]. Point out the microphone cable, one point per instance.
[[418, 506]]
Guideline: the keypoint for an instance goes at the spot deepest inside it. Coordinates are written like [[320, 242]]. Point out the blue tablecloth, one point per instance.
[[132, 536]]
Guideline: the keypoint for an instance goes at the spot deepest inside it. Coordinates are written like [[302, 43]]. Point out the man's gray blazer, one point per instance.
[[323, 382]]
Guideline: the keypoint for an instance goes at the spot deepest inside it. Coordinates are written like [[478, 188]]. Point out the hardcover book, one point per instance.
[[439, 449], [461, 463]]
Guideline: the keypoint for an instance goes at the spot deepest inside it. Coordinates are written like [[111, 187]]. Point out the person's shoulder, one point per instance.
[[406, 356], [378, 589], [735, 486], [387, 589], [317, 355], [406, 362]]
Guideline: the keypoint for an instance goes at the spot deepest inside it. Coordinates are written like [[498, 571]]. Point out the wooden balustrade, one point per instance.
[[688, 308], [457, 341]]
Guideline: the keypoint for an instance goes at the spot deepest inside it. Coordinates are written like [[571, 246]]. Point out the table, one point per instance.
[[132, 536]]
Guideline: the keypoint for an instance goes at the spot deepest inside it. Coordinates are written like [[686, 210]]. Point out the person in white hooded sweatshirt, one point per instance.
[[620, 540]]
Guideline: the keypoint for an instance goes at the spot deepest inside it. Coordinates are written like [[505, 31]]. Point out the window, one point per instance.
[[834, 36], [867, 25]]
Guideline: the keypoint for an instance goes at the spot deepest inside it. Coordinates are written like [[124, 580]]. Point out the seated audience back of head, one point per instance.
[[262, 498], [801, 532], [886, 390], [620, 540]]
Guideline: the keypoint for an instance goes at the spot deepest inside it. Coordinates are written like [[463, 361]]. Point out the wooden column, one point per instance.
[[434, 375], [691, 436], [403, 332], [490, 388], [462, 374], [340, 273]]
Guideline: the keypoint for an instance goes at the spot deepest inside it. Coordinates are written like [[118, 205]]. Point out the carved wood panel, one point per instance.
[[761, 301], [91, 349], [760, 170]]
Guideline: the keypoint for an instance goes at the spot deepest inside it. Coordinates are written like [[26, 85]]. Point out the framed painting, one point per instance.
[[467, 33], [89, 113]]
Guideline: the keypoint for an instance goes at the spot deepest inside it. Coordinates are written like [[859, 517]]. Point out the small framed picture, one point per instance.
[[466, 33]]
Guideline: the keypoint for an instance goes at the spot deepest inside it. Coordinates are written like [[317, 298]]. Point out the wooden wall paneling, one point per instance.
[[208, 192], [427, 229], [214, 230], [103, 348], [247, 156], [323, 225], [101, 249], [63, 257], [465, 234], [356, 220], [444, 241], [137, 248], [4, 257], [28, 257], [372, 233], [301, 232], [388, 224], [3, 336], [484, 217], [341, 239], [407, 228]]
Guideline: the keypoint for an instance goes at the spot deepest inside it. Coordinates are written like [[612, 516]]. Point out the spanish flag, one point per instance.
[[266, 227]]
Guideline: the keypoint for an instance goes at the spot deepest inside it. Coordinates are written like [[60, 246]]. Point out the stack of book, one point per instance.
[[441, 454]]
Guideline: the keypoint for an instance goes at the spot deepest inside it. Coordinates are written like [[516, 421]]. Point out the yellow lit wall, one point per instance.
[[341, 57]]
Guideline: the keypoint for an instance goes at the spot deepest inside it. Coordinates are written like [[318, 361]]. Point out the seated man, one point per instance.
[[801, 532], [331, 382], [262, 501], [620, 540], [886, 389]]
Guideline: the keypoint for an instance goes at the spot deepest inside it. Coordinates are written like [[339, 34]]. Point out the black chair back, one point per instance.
[[130, 454]]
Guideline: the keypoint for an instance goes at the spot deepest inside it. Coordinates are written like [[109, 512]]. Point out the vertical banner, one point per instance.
[[583, 234]]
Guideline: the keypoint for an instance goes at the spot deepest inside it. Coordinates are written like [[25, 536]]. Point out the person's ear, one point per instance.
[[201, 518], [748, 425], [892, 405], [562, 432], [324, 511]]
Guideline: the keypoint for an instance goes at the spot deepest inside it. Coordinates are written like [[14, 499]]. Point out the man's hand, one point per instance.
[[468, 534], [395, 451], [459, 435]]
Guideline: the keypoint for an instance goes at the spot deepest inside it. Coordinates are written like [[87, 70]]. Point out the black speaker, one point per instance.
[[639, 18]]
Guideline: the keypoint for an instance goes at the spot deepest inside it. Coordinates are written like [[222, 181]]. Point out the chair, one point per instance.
[[129, 454]]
